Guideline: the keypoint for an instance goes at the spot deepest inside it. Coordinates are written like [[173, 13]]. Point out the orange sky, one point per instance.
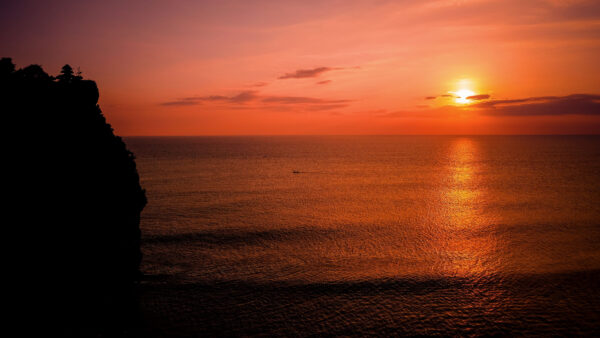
[[323, 67]]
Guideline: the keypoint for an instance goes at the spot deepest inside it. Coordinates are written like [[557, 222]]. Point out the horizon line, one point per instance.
[[267, 135]]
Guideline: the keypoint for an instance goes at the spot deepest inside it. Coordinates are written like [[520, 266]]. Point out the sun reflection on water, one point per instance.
[[462, 190], [467, 245]]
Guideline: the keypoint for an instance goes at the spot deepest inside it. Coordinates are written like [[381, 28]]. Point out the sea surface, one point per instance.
[[371, 235]]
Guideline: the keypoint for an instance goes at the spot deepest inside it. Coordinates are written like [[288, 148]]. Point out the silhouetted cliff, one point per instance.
[[75, 193]]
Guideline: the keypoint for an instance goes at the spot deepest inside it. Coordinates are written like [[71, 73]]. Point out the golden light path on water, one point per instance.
[[469, 245]]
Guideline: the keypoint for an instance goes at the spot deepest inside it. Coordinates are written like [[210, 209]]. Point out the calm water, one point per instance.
[[371, 235]]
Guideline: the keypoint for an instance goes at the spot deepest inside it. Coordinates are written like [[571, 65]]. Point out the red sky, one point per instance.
[[323, 67]]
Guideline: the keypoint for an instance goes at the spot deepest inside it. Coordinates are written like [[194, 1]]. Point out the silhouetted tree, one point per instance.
[[78, 74], [76, 200], [33, 73], [7, 67], [66, 74]]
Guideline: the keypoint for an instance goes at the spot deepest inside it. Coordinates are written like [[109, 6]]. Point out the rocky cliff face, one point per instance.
[[74, 191]]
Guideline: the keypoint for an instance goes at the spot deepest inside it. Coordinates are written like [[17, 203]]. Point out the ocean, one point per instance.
[[370, 235]]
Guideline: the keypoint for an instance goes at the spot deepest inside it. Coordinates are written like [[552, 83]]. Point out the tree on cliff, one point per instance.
[[6, 67], [75, 192], [66, 75]]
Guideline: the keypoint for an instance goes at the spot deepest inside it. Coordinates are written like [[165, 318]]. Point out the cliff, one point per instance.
[[75, 197]]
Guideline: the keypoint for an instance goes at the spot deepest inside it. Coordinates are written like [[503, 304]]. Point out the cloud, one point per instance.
[[319, 107], [303, 103], [435, 97], [298, 99], [323, 82], [242, 97], [259, 84], [251, 99], [478, 97], [311, 73], [494, 103], [575, 104], [178, 103], [304, 73]]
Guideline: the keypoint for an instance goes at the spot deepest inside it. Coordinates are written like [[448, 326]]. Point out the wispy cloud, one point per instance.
[[179, 103], [438, 96], [478, 97], [251, 99], [494, 103], [321, 107], [312, 73], [304, 73], [299, 99], [242, 97], [575, 104], [259, 84]]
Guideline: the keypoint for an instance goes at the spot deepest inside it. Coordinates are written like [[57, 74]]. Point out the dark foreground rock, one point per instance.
[[72, 228]]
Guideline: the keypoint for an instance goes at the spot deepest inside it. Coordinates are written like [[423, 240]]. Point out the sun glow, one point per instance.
[[462, 96]]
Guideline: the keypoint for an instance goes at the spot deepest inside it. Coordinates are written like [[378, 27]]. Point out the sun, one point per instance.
[[462, 96]]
